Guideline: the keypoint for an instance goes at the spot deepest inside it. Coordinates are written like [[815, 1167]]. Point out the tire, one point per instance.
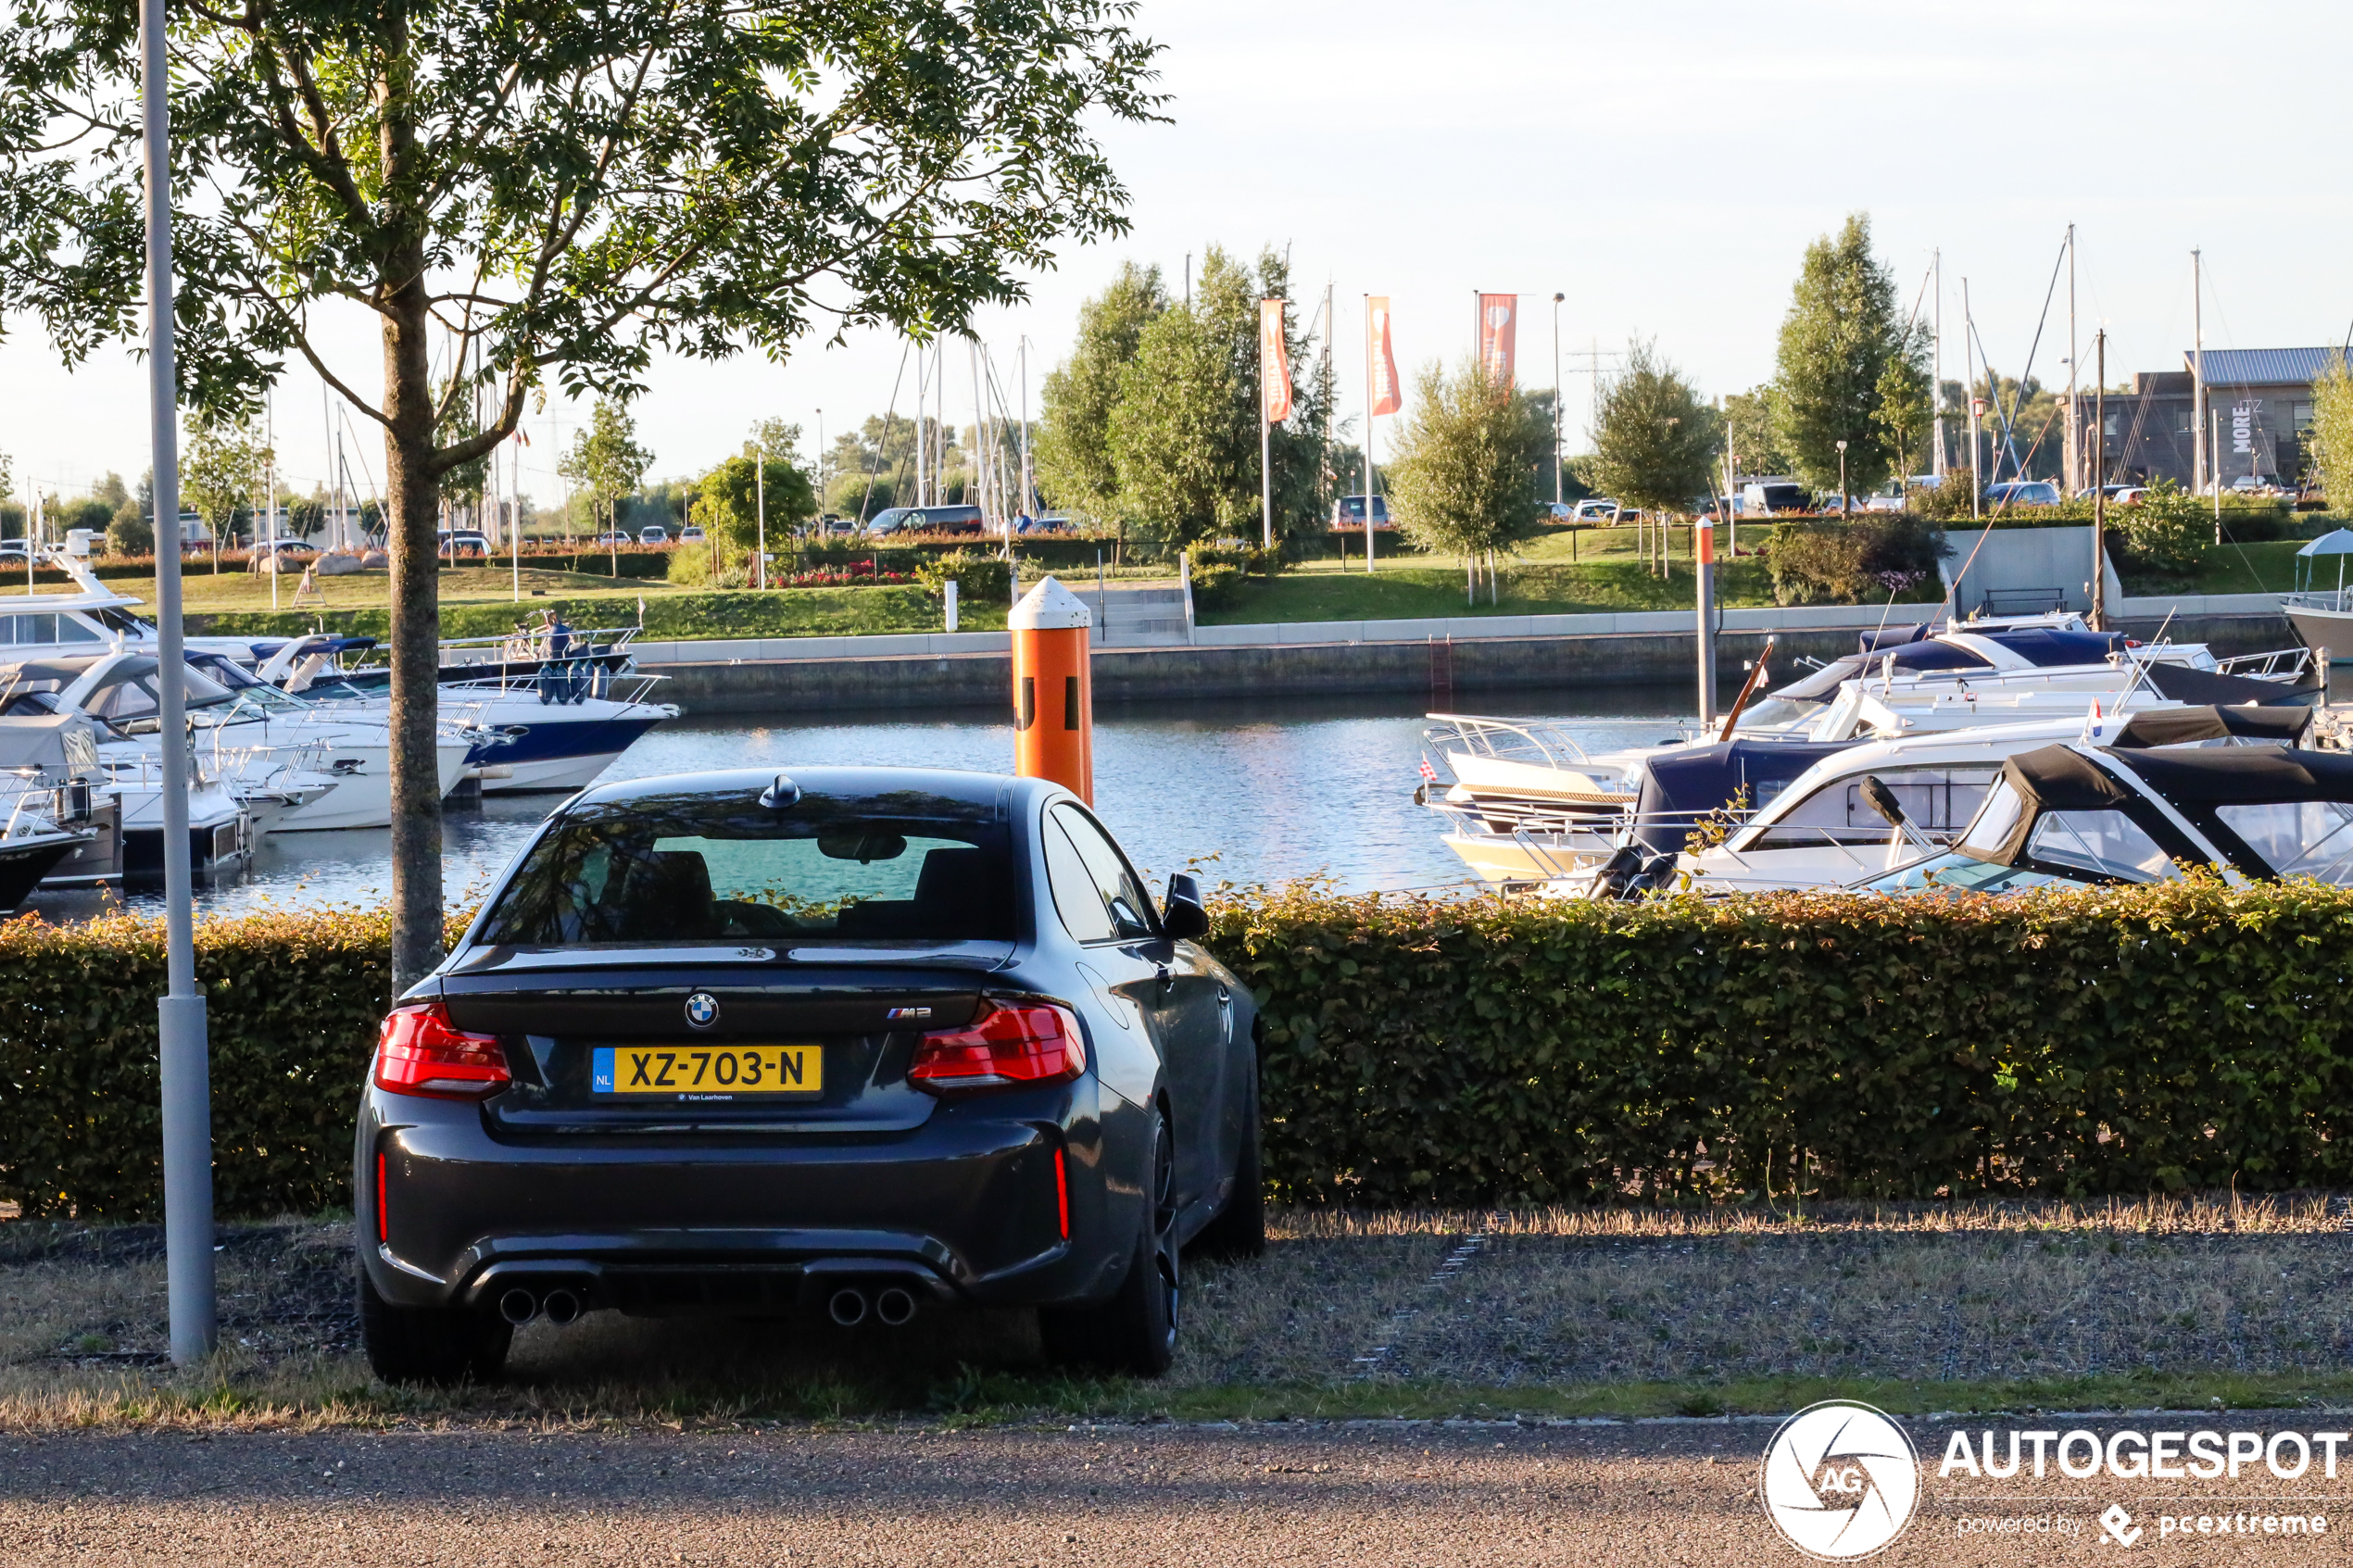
[[1240, 1229], [1134, 1332], [439, 1345]]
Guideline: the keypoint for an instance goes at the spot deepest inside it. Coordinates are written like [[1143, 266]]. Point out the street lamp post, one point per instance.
[[1557, 402], [1843, 510], [184, 1069]]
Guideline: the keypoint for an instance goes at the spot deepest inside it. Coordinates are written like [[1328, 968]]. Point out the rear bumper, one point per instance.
[[965, 1206]]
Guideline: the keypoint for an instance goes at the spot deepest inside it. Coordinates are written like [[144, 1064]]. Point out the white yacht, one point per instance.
[[1527, 803], [556, 728], [49, 767], [305, 766]]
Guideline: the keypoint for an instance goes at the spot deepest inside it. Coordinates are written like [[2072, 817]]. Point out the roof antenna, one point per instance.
[[781, 796]]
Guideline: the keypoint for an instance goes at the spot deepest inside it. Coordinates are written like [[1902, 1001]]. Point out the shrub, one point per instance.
[[2167, 531], [1826, 560], [979, 578], [129, 533]]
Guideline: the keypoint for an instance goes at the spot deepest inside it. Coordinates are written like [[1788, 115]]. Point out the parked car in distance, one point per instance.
[[16, 550], [1594, 511], [1766, 497], [927, 520], [2118, 495], [463, 542], [1891, 499], [1054, 522], [613, 536], [690, 534], [869, 1041], [653, 534], [1347, 512], [2021, 493]]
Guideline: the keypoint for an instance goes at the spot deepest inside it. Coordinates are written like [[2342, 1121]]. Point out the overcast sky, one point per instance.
[[1662, 165]]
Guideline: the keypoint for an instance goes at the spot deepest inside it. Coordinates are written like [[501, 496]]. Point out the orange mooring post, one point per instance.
[[1053, 690]]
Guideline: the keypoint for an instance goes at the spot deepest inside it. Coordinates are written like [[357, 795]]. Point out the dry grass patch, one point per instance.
[[1560, 1311]]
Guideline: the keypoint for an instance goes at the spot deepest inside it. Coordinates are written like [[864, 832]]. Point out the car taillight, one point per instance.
[[1031, 1042], [420, 1052]]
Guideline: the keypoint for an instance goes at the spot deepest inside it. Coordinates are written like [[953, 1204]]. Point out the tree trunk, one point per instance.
[[413, 505]]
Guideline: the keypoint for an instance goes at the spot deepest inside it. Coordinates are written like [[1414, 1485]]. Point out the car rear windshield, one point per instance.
[[906, 867]]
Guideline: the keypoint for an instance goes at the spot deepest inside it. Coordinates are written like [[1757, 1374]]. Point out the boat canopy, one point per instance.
[[2181, 726], [1681, 788], [2245, 776], [2338, 542], [2182, 684]]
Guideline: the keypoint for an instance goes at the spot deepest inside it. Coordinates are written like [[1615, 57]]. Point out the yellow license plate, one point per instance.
[[708, 1071]]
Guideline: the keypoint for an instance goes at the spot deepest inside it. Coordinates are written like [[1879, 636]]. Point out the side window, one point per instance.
[[1076, 898], [2106, 842], [2297, 837], [1938, 801], [1123, 892]]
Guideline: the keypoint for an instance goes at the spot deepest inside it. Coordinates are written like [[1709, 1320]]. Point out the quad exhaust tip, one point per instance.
[[518, 1306], [561, 1307], [894, 1307], [848, 1307]]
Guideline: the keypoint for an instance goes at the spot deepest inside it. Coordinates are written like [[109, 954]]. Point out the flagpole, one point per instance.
[[1369, 434], [1266, 443]]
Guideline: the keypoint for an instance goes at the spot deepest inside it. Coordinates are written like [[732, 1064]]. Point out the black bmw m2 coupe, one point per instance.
[[874, 1040]]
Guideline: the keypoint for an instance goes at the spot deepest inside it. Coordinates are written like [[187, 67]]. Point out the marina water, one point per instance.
[[1256, 793]]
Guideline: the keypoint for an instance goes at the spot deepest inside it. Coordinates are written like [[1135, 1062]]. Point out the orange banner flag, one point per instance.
[[1274, 363], [1381, 358], [1498, 333]]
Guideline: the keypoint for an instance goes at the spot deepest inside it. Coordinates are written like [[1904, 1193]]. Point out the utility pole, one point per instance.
[[185, 1050], [759, 517], [1369, 423], [2099, 487], [2197, 372]]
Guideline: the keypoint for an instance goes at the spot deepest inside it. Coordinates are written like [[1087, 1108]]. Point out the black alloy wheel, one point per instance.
[[432, 1345], [1240, 1229], [1136, 1329]]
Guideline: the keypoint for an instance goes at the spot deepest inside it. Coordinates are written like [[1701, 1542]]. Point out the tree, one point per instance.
[[1183, 434], [1654, 441], [605, 460], [221, 472], [1841, 330], [1464, 475], [1750, 435], [775, 439], [2330, 441], [883, 451], [545, 194], [727, 499], [1073, 453], [1906, 408]]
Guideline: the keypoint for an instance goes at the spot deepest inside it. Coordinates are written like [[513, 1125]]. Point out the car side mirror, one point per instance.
[[1182, 916]]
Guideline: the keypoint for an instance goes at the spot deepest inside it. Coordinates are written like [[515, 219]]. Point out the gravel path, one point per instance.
[[1363, 1495]]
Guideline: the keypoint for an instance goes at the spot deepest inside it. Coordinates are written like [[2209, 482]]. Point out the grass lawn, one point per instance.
[[479, 602], [2267, 568], [1605, 573]]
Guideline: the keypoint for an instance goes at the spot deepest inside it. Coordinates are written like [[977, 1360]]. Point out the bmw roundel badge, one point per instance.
[[702, 1009]]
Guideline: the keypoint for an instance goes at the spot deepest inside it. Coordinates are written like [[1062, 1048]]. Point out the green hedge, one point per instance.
[[2142, 1039], [292, 1002], [2155, 1038]]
